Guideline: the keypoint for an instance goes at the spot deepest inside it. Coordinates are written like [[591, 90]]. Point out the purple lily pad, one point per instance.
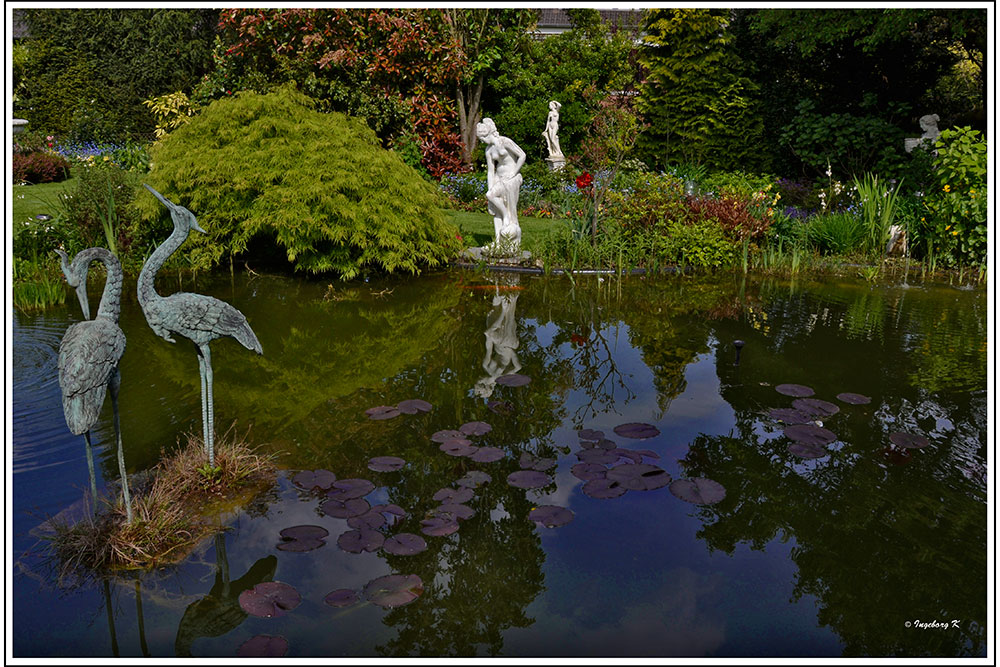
[[474, 479], [531, 462], [300, 546], [390, 508], [796, 390], [790, 415], [908, 440], [385, 463], [815, 406], [487, 455], [370, 520], [382, 412], [639, 476], [356, 541], [590, 434], [648, 453], [453, 511], [475, 428], [500, 407], [394, 590], [550, 516], [854, 399], [513, 380], [269, 599], [589, 471], [605, 456], [603, 489], [810, 434], [302, 538], [344, 509], [314, 479], [637, 431], [603, 443], [404, 544], [447, 434], [342, 597], [413, 405], [438, 526], [263, 646], [528, 479], [698, 490], [457, 496], [457, 448], [345, 489], [806, 450], [623, 453]]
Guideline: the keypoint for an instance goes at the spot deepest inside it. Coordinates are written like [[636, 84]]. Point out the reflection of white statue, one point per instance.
[[551, 131], [501, 343], [503, 183]]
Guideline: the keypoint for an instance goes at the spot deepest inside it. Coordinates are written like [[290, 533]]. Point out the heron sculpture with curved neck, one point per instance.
[[197, 317], [88, 357]]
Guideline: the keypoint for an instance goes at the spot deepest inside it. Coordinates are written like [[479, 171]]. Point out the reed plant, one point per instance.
[[878, 208], [36, 284]]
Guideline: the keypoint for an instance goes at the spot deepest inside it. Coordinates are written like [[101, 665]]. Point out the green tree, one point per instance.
[[699, 108]]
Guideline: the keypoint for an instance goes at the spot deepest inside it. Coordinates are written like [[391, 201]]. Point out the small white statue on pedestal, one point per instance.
[[504, 159], [556, 159], [931, 133]]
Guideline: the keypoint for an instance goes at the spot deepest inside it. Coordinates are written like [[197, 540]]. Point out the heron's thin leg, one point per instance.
[[204, 400], [138, 612], [207, 354], [113, 386], [90, 467]]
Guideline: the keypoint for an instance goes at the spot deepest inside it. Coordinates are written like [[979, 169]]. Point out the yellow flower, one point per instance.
[[923, 220], [947, 188], [972, 191], [947, 228], [955, 233], [106, 158]]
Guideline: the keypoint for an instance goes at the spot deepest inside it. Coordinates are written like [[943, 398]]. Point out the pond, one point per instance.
[[868, 549]]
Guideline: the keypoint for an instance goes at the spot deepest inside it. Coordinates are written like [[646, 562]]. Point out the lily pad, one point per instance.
[[314, 479], [908, 440], [457, 496], [300, 546], [810, 434], [390, 508], [413, 405], [816, 406], [637, 431], [438, 526], [457, 447], [302, 538], [603, 443], [623, 453], [648, 453], [796, 390], [269, 599], [603, 489], [356, 541], [487, 455], [474, 478], [345, 489], [806, 450], [605, 456], [382, 412], [263, 646], [475, 428], [550, 516], [394, 590], [790, 415], [447, 434], [500, 407], [513, 380], [590, 434], [528, 479], [589, 471], [385, 463], [404, 544], [342, 597], [639, 476], [698, 490], [344, 509], [453, 511], [370, 520], [531, 462], [854, 399]]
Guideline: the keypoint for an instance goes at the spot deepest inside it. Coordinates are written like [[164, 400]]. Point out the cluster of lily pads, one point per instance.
[[810, 438]]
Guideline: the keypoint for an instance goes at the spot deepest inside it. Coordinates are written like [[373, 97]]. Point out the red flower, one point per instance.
[[458, 236], [577, 339], [584, 180], [229, 92]]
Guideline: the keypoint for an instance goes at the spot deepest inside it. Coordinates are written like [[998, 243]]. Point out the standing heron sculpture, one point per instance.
[[197, 317], [88, 358]]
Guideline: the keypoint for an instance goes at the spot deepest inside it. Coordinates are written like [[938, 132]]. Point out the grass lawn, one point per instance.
[[477, 228], [30, 200]]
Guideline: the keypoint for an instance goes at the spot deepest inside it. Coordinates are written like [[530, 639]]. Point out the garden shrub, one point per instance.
[[102, 198], [735, 183], [39, 167], [646, 199], [700, 244], [320, 183], [739, 217], [838, 233]]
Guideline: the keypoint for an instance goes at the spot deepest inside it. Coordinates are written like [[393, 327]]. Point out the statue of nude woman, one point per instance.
[[504, 159]]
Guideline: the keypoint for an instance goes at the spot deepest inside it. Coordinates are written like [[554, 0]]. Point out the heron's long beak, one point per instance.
[[64, 264], [81, 294], [195, 226], [166, 202]]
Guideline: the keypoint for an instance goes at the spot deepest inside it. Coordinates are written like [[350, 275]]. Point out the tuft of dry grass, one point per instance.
[[171, 514]]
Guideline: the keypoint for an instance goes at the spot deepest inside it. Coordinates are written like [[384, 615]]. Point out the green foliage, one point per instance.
[[878, 209], [37, 282], [838, 233], [89, 70], [699, 108], [955, 221], [736, 183], [170, 111], [702, 244], [98, 210], [318, 183]]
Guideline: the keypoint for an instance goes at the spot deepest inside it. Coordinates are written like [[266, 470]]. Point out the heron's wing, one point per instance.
[[88, 356], [203, 318]]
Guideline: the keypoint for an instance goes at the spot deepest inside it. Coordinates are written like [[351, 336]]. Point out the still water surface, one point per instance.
[[824, 557]]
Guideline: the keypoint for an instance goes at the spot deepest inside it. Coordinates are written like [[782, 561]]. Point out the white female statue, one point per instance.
[[504, 159], [551, 132]]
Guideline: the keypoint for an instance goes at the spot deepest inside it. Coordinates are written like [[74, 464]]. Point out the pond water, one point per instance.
[[863, 551]]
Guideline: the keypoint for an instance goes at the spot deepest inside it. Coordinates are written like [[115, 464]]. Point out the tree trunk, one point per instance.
[[468, 117]]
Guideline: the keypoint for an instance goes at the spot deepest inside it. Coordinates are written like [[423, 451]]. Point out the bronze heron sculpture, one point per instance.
[[88, 357], [197, 317]]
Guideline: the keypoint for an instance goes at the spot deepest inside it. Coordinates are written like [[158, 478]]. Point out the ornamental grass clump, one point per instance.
[[318, 185]]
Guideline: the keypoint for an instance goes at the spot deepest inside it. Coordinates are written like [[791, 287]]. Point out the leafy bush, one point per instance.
[[39, 168], [98, 209], [645, 200], [318, 183], [735, 215], [838, 233], [701, 244], [735, 183]]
